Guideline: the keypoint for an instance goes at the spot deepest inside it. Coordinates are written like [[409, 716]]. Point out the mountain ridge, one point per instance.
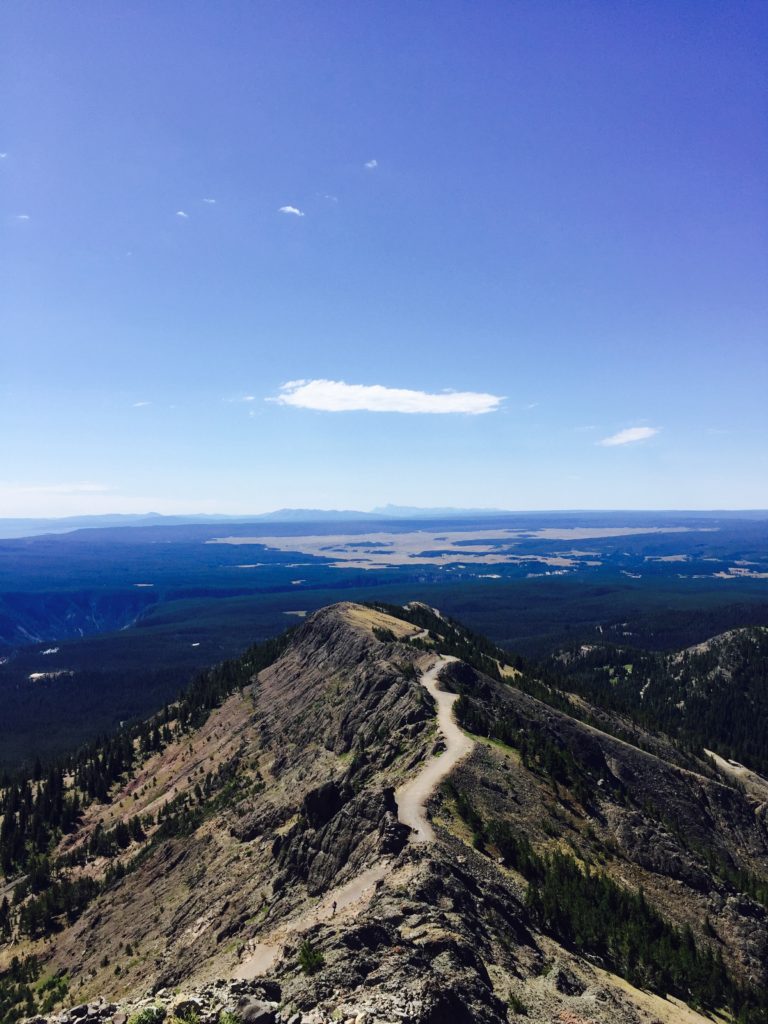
[[283, 791]]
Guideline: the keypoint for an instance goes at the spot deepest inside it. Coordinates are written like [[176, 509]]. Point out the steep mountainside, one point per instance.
[[712, 694], [41, 618], [253, 849]]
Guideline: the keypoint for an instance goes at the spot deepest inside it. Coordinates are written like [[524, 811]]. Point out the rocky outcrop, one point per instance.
[[255, 1002], [342, 689], [338, 831]]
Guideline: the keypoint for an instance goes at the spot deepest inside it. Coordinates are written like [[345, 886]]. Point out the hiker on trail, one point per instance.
[[333, 909]]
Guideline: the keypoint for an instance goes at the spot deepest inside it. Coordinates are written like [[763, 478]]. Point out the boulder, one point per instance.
[[256, 1011]]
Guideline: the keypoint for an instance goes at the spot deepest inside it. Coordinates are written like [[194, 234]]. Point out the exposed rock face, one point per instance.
[[29, 618], [339, 831], [341, 688], [649, 846]]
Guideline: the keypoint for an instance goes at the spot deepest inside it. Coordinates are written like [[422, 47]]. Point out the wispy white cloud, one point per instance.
[[3, 156], [22, 216], [140, 405], [183, 214], [371, 164], [211, 202], [242, 398], [291, 209], [337, 396], [629, 436]]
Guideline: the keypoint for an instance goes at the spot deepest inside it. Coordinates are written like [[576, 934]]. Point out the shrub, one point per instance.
[[386, 636], [187, 1014], [310, 959], [516, 1005], [151, 1015]]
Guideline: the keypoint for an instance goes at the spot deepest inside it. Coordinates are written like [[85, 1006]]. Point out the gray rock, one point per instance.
[[187, 1007], [256, 1011], [567, 983]]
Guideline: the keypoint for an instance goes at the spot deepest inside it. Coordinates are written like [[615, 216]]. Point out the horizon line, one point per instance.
[[438, 510]]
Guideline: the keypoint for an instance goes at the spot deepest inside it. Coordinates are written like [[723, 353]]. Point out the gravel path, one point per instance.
[[346, 900], [413, 795]]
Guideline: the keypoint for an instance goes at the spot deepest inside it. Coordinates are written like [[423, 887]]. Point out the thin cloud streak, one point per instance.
[[293, 210], [372, 164], [628, 436], [338, 396]]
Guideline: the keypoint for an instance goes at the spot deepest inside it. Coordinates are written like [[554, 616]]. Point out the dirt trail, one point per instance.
[[260, 957], [345, 901], [413, 795]]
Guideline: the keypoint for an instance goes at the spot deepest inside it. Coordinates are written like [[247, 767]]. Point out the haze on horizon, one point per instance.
[[337, 256]]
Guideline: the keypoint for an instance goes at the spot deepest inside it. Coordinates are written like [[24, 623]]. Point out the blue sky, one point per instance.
[[537, 226]]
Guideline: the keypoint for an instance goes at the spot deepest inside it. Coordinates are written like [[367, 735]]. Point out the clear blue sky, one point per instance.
[[556, 209]]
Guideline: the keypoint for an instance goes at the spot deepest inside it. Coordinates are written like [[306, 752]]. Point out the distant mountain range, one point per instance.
[[17, 527], [413, 512]]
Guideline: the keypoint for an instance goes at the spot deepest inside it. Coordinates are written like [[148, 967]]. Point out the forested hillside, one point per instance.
[[713, 695]]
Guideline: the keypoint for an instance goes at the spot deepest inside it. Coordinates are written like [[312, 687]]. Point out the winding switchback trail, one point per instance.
[[412, 797]]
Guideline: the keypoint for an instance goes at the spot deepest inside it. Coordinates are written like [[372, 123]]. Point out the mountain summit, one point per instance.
[[380, 817]]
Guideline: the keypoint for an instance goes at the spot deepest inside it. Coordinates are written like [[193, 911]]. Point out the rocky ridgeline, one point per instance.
[[250, 1002], [226, 1002], [316, 752]]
